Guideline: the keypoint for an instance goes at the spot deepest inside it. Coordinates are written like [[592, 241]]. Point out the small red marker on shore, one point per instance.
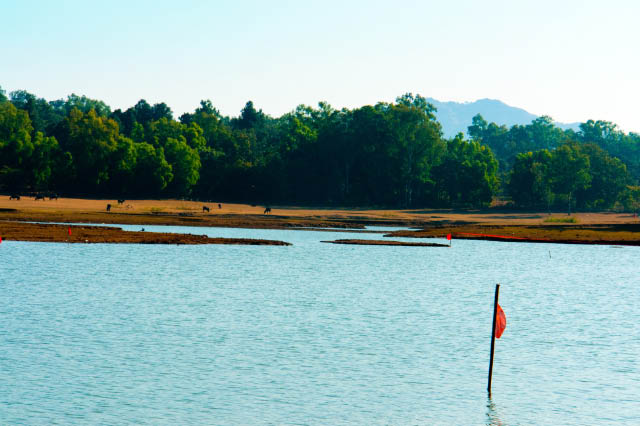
[[69, 230]]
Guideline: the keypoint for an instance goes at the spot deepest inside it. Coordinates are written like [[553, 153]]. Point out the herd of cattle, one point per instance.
[[54, 196], [36, 196]]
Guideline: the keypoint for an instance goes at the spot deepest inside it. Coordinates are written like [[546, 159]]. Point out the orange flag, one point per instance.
[[449, 237], [69, 231], [501, 322]]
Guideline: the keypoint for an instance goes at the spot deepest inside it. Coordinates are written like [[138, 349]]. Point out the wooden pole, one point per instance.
[[493, 336]]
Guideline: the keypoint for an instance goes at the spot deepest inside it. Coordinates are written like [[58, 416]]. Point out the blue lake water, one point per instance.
[[317, 333]]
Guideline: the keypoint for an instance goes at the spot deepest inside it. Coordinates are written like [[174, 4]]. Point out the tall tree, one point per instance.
[[467, 176], [609, 178], [249, 117], [570, 171], [153, 172], [530, 180], [91, 140], [185, 165]]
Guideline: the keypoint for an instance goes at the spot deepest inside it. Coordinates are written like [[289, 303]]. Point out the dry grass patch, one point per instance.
[[186, 207], [560, 219]]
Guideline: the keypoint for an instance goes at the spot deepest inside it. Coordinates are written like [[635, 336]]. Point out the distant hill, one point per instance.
[[456, 117]]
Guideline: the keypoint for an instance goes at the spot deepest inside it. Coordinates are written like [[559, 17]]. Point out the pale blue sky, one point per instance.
[[573, 60]]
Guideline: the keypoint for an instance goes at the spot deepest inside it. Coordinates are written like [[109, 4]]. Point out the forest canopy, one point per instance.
[[388, 154]]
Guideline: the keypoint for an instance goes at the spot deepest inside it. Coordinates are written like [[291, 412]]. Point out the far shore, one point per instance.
[[489, 224]]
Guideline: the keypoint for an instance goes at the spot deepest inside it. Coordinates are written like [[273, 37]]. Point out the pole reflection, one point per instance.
[[493, 416]]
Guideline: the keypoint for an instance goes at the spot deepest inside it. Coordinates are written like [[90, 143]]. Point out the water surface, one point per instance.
[[316, 333]]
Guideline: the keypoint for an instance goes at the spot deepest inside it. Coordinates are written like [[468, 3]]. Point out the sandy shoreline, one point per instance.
[[592, 228]]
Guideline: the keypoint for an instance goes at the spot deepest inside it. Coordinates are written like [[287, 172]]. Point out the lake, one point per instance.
[[316, 333]]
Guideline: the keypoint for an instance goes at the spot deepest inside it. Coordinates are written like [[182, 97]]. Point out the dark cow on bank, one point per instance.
[[121, 201], [267, 210], [14, 197], [108, 207], [205, 209], [39, 197], [219, 205]]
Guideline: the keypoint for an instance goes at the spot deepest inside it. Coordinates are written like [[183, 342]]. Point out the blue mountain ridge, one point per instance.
[[455, 117]]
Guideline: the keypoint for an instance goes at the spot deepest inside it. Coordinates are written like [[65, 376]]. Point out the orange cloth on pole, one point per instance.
[[449, 237], [501, 322]]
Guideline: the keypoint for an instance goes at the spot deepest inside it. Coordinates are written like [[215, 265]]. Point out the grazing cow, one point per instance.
[[108, 207], [14, 197], [121, 201], [219, 205], [205, 209], [39, 197], [267, 210]]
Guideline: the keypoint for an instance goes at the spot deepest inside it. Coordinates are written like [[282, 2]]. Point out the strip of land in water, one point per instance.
[[607, 234], [385, 243], [489, 224], [55, 233]]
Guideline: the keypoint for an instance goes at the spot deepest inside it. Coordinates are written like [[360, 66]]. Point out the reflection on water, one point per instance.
[[316, 333], [493, 417]]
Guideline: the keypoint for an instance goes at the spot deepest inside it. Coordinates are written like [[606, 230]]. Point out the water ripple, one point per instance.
[[316, 333]]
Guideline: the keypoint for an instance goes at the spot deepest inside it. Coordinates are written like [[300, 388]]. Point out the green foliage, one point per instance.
[[16, 146], [416, 146], [25, 160], [85, 105], [562, 219], [629, 199], [388, 154], [569, 171], [607, 136], [508, 143], [185, 164], [152, 171], [467, 176], [584, 174], [609, 178], [530, 179], [249, 117], [91, 140]]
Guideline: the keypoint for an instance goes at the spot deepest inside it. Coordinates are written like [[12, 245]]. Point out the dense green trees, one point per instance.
[[508, 143], [530, 179], [578, 175], [388, 154], [542, 165], [25, 158], [467, 176]]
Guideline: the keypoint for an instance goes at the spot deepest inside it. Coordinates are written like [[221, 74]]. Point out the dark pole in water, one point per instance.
[[493, 336]]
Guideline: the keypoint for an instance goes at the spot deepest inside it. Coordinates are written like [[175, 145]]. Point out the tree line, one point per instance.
[[389, 154], [543, 166]]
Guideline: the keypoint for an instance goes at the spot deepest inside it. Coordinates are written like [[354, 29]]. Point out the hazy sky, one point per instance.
[[573, 60]]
